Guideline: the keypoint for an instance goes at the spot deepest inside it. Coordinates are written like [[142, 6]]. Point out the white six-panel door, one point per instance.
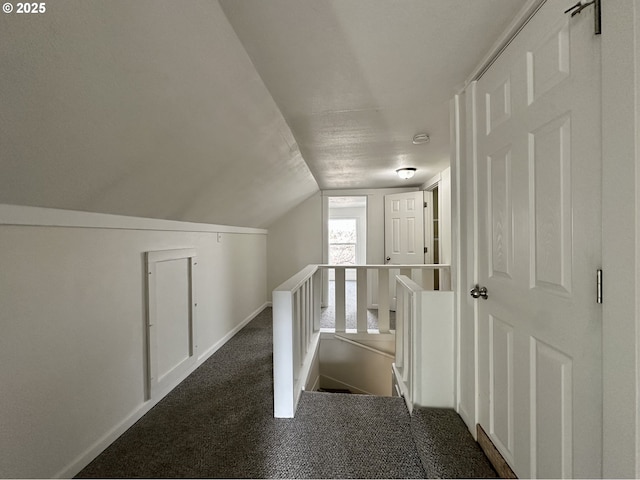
[[538, 154], [404, 228]]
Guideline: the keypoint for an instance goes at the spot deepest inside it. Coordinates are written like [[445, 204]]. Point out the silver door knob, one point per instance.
[[479, 292]]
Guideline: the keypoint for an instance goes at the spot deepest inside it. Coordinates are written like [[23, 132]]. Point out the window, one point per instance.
[[343, 238]]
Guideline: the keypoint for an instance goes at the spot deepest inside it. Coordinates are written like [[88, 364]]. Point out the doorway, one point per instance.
[[345, 243]]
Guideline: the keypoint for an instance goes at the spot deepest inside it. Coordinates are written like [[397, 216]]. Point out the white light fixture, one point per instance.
[[406, 173], [420, 138]]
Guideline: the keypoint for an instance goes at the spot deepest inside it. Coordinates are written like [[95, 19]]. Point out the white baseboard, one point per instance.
[[216, 346], [467, 420], [316, 385], [112, 435], [404, 392]]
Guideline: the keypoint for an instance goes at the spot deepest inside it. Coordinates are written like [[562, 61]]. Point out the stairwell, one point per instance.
[[439, 437]]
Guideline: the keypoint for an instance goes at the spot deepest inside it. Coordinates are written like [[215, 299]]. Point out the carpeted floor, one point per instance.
[[446, 447], [219, 423]]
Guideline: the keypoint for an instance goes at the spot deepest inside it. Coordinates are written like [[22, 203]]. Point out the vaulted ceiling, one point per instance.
[[232, 113], [355, 80]]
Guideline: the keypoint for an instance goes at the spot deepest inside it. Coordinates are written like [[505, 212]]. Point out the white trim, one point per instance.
[[347, 386], [345, 339], [367, 191], [372, 334], [220, 343], [456, 270], [18, 215], [403, 391], [621, 238], [112, 435], [432, 182], [315, 386], [307, 365], [155, 383]]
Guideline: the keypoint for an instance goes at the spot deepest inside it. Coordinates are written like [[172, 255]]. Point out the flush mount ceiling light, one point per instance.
[[420, 138], [406, 173]]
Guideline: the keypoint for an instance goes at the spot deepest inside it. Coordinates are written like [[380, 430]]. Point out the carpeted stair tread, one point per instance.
[[355, 436], [445, 446]]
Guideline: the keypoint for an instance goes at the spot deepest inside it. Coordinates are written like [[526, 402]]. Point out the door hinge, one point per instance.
[[426, 250], [599, 285], [425, 204], [597, 12]]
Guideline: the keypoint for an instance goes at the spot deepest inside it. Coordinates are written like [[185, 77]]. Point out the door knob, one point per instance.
[[479, 292], [388, 259]]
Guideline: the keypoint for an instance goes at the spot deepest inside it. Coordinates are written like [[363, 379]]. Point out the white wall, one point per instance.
[[361, 370], [72, 346], [294, 241], [375, 217]]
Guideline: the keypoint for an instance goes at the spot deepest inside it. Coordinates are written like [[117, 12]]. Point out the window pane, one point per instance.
[[342, 230], [342, 254]]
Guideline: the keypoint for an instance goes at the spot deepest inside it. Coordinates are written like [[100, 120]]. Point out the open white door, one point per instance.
[[403, 233], [538, 154], [404, 228]]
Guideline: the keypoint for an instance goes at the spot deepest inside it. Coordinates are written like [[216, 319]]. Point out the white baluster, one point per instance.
[[317, 299], [361, 306], [296, 335], [383, 300], [399, 327], [340, 323], [303, 318]]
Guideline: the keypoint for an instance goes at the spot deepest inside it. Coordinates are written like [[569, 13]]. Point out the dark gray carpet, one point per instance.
[[446, 447], [219, 423]]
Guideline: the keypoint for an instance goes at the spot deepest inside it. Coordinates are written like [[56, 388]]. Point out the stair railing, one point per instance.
[[424, 366], [296, 322], [296, 337], [421, 274]]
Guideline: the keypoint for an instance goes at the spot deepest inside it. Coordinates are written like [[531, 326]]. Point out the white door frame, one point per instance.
[[621, 237], [621, 228]]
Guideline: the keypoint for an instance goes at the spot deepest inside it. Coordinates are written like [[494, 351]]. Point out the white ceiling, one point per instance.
[[165, 109], [355, 80]]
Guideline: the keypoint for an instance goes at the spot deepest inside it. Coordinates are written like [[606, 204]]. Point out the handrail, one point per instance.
[[409, 284], [296, 323], [296, 337], [363, 346], [390, 266], [423, 368], [297, 280]]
